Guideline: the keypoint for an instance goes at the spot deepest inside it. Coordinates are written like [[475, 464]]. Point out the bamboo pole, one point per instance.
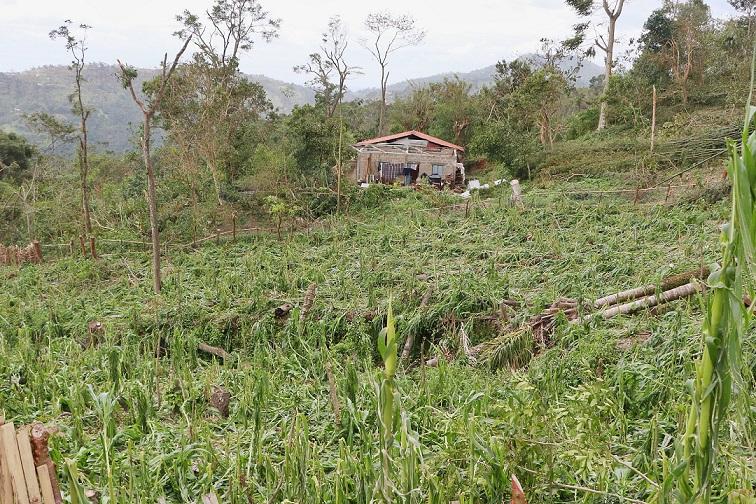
[[666, 284], [645, 302]]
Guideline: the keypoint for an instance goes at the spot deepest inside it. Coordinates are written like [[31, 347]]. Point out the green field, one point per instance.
[[587, 419]]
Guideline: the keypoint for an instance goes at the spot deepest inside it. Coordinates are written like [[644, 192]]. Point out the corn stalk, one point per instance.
[[387, 347], [689, 480]]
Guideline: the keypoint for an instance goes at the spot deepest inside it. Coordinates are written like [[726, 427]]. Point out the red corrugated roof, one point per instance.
[[414, 133]]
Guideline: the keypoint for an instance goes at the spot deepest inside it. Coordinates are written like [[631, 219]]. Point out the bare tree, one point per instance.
[[390, 33], [232, 27], [322, 66], [149, 106], [330, 61], [76, 44], [607, 45], [613, 10]]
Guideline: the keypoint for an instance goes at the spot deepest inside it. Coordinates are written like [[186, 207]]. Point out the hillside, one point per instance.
[[47, 88]]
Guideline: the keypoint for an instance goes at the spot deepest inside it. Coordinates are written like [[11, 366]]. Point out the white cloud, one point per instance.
[[461, 36]]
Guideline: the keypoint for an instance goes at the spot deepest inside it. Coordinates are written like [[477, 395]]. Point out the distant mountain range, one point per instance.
[[46, 89]]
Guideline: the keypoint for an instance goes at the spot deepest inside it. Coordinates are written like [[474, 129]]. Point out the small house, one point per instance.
[[410, 157]]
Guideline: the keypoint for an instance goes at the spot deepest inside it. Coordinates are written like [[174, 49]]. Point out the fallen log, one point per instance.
[[647, 290], [217, 351], [645, 302]]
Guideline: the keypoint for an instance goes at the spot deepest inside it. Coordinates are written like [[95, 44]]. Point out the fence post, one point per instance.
[[37, 251], [233, 226], [92, 247]]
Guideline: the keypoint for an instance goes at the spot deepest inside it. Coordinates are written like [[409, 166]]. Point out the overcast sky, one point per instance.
[[461, 36]]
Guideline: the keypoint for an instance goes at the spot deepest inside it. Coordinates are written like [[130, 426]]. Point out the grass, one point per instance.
[[133, 409]]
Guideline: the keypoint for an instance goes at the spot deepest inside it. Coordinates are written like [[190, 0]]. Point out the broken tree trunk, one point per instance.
[[666, 284], [410, 342], [309, 300], [333, 395], [283, 310], [646, 302], [518, 494], [516, 193], [39, 446]]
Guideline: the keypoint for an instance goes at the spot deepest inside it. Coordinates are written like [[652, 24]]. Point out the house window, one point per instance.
[[437, 170]]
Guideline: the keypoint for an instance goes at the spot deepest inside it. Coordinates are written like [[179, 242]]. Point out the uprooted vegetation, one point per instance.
[[595, 409]]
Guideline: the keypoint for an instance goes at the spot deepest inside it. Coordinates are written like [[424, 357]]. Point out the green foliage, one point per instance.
[[718, 372], [315, 141], [459, 430], [16, 155]]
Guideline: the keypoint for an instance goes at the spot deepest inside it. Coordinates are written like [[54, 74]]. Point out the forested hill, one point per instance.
[[477, 79], [46, 89]]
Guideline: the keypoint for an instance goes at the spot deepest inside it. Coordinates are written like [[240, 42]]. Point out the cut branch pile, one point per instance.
[[14, 255]]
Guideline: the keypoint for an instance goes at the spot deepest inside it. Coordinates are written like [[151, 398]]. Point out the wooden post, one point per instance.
[[92, 247], [37, 251], [467, 208], [516, 193], [83, 246], [233, 226], [217, 236], [653, 117]]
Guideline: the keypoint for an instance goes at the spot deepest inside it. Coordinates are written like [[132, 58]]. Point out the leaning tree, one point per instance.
[[149, 106]]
